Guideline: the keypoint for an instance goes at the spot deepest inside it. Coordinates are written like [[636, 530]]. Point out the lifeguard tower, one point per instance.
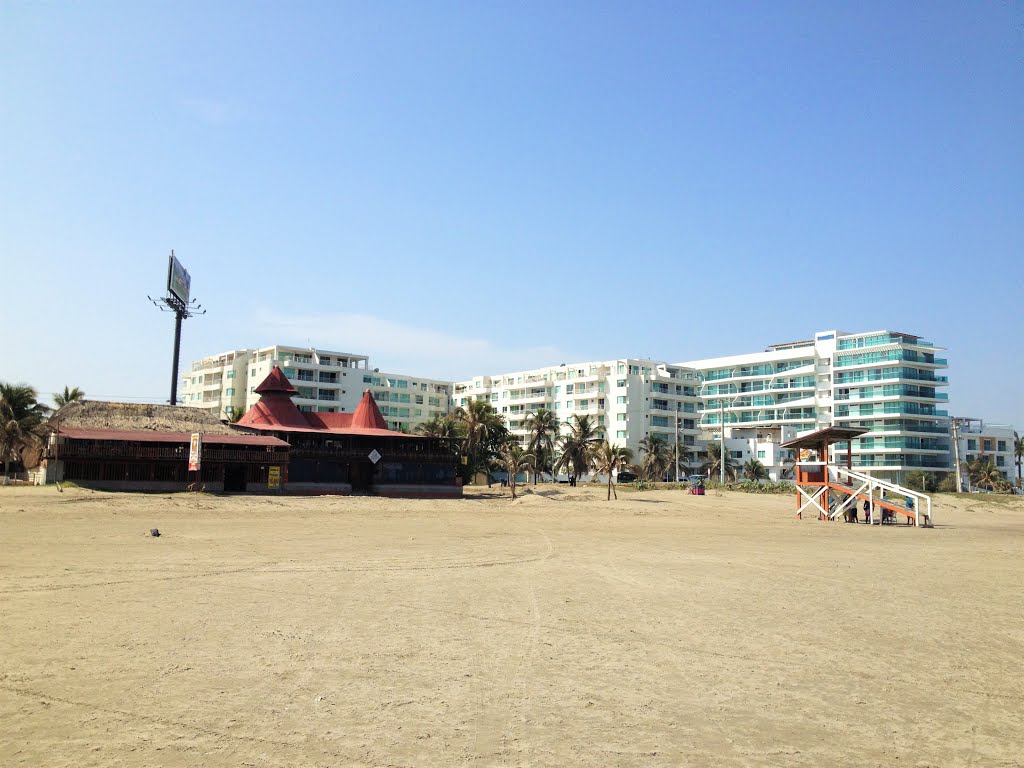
[[832, 490]]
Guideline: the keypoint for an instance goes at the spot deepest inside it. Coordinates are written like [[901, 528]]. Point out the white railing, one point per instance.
[[862, 484]]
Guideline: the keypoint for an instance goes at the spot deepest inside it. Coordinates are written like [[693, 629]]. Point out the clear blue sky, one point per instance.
[[464, 188]]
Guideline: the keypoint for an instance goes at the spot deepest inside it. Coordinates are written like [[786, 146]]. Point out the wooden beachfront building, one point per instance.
[[352, 452], [129, 446]]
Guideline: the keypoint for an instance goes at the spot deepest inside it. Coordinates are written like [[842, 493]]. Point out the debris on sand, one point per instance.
[[154, 532]]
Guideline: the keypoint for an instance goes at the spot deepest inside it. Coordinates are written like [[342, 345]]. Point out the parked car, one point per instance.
[[625, 477]]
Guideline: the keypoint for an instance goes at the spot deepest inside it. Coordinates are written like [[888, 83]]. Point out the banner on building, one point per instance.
[[273, 477], [195, 452]]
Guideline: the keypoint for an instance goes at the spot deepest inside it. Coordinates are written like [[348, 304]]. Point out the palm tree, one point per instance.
[[234, 415], [438, 425], [656, 457], [578, 446], [713, 465], [1018, 452], [983, 472], [755, 470], [542, 430], [20, 414], [513, 459], [609, 459], [686, 458], [72, 395], [483, 431]]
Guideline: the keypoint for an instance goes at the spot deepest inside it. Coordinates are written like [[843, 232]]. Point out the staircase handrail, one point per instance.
[[874, 482]]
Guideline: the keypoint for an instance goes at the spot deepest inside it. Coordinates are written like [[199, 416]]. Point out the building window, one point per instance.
[[972, 445], [621, 399], [231, 374], [1001, 445], [229, 391], [760, 454], [621, 433]]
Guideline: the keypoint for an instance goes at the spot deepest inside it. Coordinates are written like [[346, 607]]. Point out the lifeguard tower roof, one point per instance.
[[826, 436]]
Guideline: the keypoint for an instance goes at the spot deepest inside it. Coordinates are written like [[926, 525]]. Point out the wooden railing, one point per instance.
[[171, 453]]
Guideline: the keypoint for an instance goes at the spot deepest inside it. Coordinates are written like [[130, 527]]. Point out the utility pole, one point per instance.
[[721, 458], [677, 442], [955, 425]]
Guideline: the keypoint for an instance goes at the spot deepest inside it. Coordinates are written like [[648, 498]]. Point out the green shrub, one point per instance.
[[921, 481], [948, 483]]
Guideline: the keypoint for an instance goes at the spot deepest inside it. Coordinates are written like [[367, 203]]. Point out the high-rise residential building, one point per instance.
[[627, 399], [884, 381], [327, 382]]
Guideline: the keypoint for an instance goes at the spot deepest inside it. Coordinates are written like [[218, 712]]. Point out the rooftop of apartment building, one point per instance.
[[790, 349], [315, 356], [973, 426]]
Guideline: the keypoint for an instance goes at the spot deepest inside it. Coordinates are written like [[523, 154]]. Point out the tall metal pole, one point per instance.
[[677, 442], [183, 308], [178, 317], [721, 458], [955, 423]]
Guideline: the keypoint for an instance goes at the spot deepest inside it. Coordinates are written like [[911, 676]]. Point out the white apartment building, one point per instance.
[[992, 441], [628, 399], [326, 381], [885, 381]]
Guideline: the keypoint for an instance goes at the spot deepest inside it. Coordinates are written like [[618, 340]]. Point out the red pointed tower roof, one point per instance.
[[276, 382], [276, 411], [367, 415], [275, 407]]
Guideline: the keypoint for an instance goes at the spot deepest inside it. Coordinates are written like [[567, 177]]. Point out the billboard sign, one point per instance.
[[195, 452], [178, 281]]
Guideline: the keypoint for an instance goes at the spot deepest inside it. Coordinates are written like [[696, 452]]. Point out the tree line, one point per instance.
[[487, 445]]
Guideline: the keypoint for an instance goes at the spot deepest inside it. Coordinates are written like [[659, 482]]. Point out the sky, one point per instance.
[[464, 188]]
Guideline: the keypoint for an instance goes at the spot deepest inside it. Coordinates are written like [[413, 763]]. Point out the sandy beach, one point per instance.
[[557, 630]]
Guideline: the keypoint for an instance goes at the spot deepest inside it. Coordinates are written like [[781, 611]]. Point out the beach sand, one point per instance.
[[557, 630]]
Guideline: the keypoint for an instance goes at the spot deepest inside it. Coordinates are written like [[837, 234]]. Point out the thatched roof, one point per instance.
[[93, 414]]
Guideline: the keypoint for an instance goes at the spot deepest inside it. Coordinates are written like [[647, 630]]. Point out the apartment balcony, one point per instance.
[[900, 461]]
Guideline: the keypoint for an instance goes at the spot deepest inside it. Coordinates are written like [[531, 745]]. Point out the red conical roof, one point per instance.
[[276, 411], [276, 382], [367, 415], [275, 407]]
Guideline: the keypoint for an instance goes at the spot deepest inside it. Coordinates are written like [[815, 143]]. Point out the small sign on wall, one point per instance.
[[195, 452], [273, 477]]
